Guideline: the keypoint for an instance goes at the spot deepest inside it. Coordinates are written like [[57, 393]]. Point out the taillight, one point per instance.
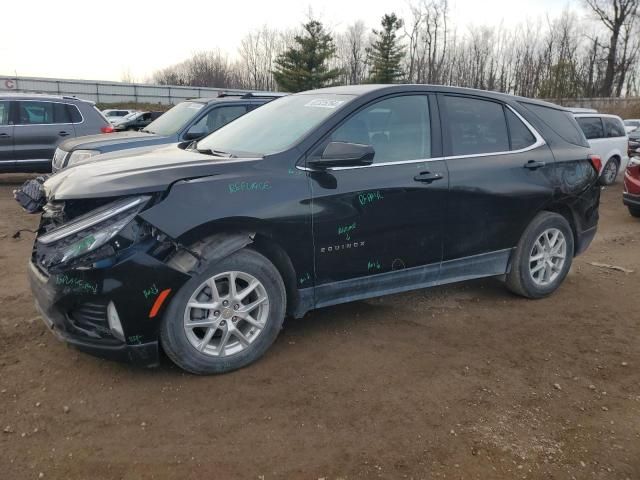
[[107, 129], [596, 161]]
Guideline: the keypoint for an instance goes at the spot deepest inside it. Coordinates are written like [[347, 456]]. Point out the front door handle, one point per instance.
[[4, 135], [534, 164], [64, 134], [427, 177]]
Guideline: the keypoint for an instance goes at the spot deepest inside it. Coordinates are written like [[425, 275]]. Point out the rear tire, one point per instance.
[[235, 334], [542, 258], [610, 172], [634, 211]]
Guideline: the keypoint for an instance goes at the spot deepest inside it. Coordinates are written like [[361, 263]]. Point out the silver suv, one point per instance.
[[32, 126]]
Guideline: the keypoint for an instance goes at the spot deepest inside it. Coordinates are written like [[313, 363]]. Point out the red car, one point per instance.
[[631, 195]]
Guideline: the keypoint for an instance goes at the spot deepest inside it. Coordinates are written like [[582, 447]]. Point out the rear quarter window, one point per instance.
[[74, 113], [591, 127], [613, 127], [561, 122]]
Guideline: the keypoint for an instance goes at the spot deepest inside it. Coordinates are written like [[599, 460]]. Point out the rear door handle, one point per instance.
[[64, 134], [427, 177], [534, 164]]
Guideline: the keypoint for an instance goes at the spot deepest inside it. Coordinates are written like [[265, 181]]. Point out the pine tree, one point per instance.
[[386, 52], [304, 66]]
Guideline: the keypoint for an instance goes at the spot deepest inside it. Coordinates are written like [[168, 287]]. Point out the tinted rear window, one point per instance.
[[591, 126], [613, 127], [476, 126], [561, 122], [521, 136], [74, 113]]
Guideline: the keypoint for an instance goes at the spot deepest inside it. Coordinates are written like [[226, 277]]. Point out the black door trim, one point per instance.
[[477, 266]]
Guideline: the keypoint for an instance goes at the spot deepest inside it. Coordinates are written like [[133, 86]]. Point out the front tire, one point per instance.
[[226, 316], [610, 172], [543, 257]]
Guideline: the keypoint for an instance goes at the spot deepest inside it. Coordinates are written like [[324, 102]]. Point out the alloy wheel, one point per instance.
[[547, 257], [226, 314], [610, 171]]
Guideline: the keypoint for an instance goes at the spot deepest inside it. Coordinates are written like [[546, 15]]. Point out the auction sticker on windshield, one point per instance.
[[321, 103]]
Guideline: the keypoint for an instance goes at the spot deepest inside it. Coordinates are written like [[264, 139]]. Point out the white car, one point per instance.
[[608, 139], [631, 124], [115, 115]]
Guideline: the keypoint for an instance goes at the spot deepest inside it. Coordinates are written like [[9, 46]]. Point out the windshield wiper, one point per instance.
[[216, 153]]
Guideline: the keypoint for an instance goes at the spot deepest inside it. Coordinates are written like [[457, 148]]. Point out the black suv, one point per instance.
[[315, 199], [188, 120]]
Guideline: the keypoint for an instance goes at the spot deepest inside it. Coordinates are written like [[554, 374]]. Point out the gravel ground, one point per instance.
[[464, 381]]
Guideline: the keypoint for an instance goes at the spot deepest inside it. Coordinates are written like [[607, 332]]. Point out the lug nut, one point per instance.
[[234, 319], [236, 306], [223, 323], [225, 303], [216, 313]]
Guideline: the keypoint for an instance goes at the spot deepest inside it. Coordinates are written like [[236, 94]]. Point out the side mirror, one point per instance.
[[193, 134], [343, 154]]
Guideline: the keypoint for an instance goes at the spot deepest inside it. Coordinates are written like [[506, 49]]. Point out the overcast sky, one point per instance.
[[88, 39]]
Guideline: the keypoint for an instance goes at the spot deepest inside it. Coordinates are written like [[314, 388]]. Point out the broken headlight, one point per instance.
[[90, 231]]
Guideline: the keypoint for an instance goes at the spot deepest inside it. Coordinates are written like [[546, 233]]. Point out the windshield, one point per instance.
[[131, 115], [175, 119], [275, 126]]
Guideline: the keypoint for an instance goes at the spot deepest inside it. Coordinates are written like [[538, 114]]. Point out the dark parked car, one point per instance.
[[188, 120], [136, 121], [32, 125], [315, 199], [634, 144]]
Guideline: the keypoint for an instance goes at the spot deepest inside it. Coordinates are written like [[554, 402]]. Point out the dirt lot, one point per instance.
[[465, 381]]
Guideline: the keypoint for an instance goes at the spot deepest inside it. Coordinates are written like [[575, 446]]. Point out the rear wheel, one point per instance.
[[225, 317], [610, 172], [634, 211], [543, 257]]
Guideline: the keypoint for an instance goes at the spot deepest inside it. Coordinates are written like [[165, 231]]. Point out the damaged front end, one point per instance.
[[100, 278]]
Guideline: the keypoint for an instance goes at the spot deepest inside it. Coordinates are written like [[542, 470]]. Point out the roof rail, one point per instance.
[[252, 94]]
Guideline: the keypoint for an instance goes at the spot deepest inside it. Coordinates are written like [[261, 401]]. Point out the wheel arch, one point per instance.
[[217, 240], [566, 212]]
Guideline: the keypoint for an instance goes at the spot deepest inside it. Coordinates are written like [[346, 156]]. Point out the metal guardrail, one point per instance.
[[109, 92]]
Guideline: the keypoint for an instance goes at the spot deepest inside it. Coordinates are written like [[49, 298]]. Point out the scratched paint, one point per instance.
[[346, 230], [305, 278], [77, 285], [249, 187], [374, 265], [152, 291], [370, 197]]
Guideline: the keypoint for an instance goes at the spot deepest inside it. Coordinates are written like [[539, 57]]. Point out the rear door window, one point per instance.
[[613, 127], [591, 126], [74, 114], [521, 136], [476, 126]]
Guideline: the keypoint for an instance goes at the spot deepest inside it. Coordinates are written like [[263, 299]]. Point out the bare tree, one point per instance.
[[613, 14], [351, 50]]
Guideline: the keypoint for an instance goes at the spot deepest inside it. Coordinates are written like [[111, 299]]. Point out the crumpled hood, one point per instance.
[[130, 172], [108, 141]]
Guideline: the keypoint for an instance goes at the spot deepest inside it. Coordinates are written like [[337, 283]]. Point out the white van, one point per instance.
[[608, 139]]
